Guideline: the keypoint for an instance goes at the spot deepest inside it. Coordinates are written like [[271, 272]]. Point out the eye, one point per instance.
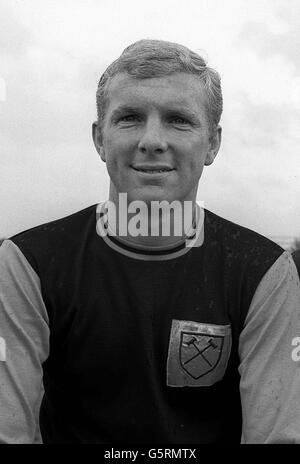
[[179, 120], [129, 118]]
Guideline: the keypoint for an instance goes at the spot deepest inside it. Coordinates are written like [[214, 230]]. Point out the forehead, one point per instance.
[[174, 91]]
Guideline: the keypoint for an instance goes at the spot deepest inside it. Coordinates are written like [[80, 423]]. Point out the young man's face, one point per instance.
[[155, 137]]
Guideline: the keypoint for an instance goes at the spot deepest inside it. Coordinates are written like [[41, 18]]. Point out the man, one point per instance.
[[178, 337]]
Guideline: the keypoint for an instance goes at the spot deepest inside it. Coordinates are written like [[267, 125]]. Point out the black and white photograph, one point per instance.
[[149, 225]]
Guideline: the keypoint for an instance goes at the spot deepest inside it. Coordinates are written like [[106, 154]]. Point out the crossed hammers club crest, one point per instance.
[[199, 353]]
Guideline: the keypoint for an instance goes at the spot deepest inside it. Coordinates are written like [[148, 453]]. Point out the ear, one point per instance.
[[98, 140], [215, 142]]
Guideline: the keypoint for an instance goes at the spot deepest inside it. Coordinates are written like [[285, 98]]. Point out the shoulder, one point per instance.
[[240, 242], [296, 257], [243, 255], [66, 226], [56, 237]]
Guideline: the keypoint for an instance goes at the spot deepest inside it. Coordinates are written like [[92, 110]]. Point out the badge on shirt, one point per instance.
[[198, 353]]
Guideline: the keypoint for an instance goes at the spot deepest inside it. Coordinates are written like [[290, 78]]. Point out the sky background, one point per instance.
[[52, 54]]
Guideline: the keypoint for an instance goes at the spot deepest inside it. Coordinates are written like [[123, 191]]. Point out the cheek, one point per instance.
[[118, 159], [118, 150], [195, 156]]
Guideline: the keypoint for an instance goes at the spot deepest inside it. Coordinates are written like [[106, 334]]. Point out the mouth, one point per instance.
[[145, 169]]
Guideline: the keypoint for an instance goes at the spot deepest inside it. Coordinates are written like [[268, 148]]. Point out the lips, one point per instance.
[[152, 169]]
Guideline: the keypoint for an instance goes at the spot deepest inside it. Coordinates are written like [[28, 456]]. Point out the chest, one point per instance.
[[118, 317]]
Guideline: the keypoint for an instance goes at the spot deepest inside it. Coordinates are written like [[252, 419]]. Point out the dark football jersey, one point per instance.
[[143, 349]]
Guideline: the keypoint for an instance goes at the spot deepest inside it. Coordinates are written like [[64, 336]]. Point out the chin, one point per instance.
[[154, 194]]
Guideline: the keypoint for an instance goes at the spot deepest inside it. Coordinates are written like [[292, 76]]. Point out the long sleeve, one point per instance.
[[270, 372], [24, 346]]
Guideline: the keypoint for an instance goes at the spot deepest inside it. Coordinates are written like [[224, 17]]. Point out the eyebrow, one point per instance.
[[193, 117], [124, 109]]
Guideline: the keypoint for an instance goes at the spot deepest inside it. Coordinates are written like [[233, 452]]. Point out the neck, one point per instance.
[[153, 224]]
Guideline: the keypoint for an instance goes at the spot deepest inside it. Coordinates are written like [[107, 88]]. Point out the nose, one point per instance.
[[153, 141]]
